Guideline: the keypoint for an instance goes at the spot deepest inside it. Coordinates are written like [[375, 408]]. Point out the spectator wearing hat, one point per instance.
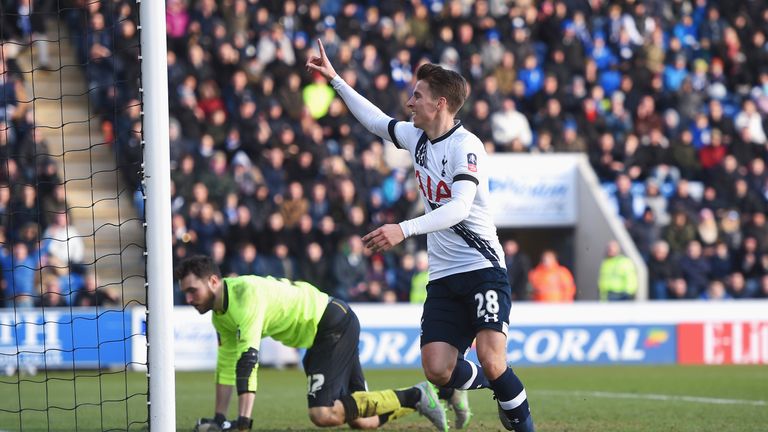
[[572, 141], [492, 50]]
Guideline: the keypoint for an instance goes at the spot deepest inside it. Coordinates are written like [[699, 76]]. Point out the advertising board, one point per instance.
[[532, 191], [730, 342], [65, 338], [537, 345]]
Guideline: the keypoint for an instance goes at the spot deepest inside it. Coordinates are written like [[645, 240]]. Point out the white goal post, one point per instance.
[[162, 404]]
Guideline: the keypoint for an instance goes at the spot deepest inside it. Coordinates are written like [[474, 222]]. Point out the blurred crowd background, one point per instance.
[[271, 175]]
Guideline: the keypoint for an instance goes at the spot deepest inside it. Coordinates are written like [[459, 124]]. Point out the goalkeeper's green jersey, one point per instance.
[[264, 306]]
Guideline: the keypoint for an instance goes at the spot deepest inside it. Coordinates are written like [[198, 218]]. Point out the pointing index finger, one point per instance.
[[322, 49]]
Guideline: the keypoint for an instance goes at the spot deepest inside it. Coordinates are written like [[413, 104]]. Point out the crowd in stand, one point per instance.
[[272, 175], [667, 99], [41, 252]]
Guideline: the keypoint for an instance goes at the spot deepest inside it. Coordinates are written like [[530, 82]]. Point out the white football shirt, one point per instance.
[[457, 155]]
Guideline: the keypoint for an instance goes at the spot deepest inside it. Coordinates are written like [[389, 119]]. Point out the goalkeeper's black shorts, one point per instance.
[[332, 364]]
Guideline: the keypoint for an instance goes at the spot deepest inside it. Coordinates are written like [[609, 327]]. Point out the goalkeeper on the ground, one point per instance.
[[247, 308]]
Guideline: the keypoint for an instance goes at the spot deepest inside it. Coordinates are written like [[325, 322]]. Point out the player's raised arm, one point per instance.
[[368, 114]]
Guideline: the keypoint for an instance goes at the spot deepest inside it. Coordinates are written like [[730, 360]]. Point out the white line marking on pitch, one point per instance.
[[652, 396]]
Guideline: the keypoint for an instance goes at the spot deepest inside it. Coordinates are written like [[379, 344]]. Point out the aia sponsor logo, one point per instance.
[[441, 190]]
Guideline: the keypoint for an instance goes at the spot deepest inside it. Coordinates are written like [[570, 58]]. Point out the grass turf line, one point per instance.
[[572, 399]]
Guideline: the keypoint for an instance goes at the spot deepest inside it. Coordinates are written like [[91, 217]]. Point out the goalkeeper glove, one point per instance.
[[217, 424], [242, 424]]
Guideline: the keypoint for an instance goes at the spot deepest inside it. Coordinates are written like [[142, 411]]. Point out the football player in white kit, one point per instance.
[[468, 295]]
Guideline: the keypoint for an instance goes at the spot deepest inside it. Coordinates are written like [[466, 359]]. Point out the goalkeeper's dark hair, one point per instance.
[[199, 265], [446, 83]]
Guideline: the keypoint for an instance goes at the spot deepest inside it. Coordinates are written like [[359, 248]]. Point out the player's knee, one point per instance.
[[325, 417], [438, 361], [493, 366], [437, 373]]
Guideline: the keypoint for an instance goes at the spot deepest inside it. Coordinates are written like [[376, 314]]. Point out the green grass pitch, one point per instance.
[[573, 399]]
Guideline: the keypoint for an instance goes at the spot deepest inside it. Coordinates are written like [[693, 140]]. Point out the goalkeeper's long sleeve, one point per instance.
[[368, 114]]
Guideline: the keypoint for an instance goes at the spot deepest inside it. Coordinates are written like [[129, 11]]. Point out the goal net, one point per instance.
[[72, 238]]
